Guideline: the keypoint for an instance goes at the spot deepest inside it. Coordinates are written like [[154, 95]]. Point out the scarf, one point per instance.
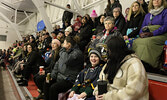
[[156, 11]]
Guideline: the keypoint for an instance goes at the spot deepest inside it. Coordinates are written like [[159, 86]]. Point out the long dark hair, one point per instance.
[[117, 50], [109, 3]]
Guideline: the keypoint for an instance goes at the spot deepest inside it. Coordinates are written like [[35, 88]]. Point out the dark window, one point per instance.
[[3, 37]]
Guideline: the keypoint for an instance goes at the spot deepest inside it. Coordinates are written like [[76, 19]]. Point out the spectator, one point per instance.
[[153, 34], [31, 66], [68, 31], [87, 78], [134, 20], [76, 26], [67, 16], [100, 27], [126, 13], [94, 18], [144, 5], [90, 22], [84, 34], [111, 5], [125, 74], [41, 76], [54, 34], [47, 41], [61, 36], [119, 20], [65, 70]]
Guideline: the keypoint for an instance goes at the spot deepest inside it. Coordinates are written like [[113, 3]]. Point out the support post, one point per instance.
[[15, 19], [40, 6], [14, 25]]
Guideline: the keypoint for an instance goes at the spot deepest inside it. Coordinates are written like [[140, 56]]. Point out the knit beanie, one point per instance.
[[69, 29], [57, 42], [95, 51], [93, 14]]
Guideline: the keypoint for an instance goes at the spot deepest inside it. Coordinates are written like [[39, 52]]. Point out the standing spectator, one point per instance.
[[67, 16], [144, 5], [119, 19], [111, 5], [153, 34], [125, 74], [135, 20]]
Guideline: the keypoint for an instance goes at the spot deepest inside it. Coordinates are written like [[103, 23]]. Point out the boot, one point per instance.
[[23, 83]]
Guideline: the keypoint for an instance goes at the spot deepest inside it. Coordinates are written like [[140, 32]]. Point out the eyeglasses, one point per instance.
[[107, 23]]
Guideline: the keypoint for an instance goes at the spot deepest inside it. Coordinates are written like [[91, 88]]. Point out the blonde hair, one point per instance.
[[138, 12], [150, 5]]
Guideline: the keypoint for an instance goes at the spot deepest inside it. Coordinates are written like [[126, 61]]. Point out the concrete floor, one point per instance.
[[7, 89]]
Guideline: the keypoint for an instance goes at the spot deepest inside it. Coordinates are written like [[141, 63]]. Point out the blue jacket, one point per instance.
[[160, 19]]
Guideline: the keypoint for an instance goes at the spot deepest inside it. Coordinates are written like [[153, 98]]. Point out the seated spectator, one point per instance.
[[68, 31], [65, 70], [94, 18], [31, 65], [41, 76], [100, 27], [47, 41], [134, 20], [144, 5], [110, 6], [54, 34], [61, 36], [87, 78], [126, 13], [124, 73], [153, 34], [119, 19], [90, 22], [109, 30], [84, 34], [76, 26]]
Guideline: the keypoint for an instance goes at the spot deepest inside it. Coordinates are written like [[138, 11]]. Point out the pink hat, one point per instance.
[[93, 14], [57, 41]]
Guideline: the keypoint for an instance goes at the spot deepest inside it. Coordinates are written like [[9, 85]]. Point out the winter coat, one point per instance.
[[135, 22], [120, 24], [34, 60], [109, 10], [69, 64], [54, 58], [67, 16], [159, 19], [100, 27], [86, 80], [130, 82]]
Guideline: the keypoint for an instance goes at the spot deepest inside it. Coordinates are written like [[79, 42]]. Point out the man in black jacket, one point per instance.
[[67, 16]]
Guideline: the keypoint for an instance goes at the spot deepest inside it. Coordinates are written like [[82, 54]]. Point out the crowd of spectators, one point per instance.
[[94, 48]]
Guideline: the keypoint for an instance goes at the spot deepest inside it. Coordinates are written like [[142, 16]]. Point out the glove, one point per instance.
[[146, 34]]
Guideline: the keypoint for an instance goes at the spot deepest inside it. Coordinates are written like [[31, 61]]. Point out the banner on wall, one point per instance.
[[40, 25]]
